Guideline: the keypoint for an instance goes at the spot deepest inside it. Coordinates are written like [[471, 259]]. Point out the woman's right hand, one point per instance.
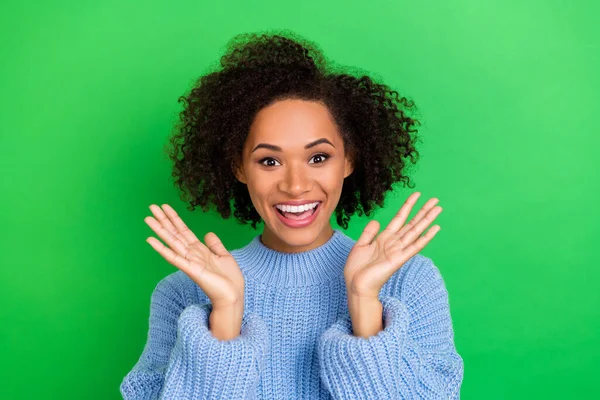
[[210, 266]]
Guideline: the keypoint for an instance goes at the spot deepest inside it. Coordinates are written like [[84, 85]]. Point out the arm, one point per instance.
[[182, 359], [412, 357]]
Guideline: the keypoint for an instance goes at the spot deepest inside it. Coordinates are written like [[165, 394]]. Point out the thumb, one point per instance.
[[368, 233], [214, 244]]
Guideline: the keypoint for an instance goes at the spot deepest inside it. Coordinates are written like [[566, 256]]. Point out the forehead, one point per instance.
[[292, 122]]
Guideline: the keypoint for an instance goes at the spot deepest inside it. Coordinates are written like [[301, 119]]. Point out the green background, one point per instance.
[[508, 93]]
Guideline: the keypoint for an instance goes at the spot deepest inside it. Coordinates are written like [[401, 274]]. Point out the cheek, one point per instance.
[[263, 187], [333, 180], [259, 190]]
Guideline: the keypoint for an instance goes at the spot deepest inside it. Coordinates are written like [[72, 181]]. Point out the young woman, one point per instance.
[[303, 310]]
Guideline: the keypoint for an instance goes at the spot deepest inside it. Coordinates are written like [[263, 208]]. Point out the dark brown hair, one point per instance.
[[260, 69]]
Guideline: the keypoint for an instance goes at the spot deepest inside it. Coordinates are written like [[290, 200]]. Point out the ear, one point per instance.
[[348, 168], [238, 171]]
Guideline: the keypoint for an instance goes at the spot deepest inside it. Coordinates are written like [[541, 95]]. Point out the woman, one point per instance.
[[303, 310]]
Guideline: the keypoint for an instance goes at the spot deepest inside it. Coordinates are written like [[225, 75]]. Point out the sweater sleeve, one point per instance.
[[412, 357], [183, 360]]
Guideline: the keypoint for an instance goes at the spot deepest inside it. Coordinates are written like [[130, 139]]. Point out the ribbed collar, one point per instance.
[[262, 264]]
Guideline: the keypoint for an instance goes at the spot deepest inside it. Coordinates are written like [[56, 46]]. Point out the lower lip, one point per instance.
[[292, 223]]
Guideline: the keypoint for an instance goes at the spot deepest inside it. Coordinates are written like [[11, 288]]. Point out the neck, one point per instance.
[[265, 265], [295, 242]]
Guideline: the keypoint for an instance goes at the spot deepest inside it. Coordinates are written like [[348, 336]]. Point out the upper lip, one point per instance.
[[298, 202]]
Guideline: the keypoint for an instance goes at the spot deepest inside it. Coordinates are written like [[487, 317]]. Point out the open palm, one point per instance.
[[373, 260], [210, 266]]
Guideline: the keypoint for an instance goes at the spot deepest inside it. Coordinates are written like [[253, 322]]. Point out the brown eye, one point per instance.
[[321, 155], [267, 159]]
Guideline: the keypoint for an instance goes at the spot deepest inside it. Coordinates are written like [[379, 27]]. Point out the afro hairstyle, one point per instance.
[[259, 69]]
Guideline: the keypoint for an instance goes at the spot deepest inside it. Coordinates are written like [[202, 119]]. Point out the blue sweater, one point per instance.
[[296, 339]]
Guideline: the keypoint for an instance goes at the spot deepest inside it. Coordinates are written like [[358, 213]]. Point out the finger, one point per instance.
[[400, 217], [214, 244], [418, 244], [368, 233], [173, 241], [411, 235], [171, 221], [173, 258], [180, 225], [197, 270], [420, 215], [163, 219]]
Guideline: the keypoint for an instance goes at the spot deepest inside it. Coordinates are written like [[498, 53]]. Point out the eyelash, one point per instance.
[[316, 155]]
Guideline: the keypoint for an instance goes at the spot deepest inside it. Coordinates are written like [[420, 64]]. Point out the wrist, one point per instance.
[[225, 322], [366, 314]]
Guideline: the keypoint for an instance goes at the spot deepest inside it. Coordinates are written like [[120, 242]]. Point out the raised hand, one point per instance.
[[210, 266], [372, 261]]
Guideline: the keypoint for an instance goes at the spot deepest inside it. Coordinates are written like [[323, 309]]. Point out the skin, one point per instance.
[[294, 173], [376, 257]]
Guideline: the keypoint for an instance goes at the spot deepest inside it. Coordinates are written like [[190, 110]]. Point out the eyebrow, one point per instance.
[[277, 148]]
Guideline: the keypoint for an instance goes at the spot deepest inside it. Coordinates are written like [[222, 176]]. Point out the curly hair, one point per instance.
[[259, 69]]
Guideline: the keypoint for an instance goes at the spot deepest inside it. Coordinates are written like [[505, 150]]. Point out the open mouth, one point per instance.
[[299, 215]]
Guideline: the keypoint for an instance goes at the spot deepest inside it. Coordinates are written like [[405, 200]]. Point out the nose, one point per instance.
[[296, 182]]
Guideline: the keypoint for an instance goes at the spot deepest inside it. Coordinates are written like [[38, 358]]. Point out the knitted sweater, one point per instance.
[[296, 338]]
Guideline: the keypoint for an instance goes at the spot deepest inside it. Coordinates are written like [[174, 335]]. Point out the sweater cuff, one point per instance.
[[215, 368], [357, 367]]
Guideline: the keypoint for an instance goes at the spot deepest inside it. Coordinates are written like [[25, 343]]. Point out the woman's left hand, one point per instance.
[[371, 263]]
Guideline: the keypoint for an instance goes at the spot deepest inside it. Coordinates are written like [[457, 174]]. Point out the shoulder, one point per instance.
[[178, 287], [417, 276]]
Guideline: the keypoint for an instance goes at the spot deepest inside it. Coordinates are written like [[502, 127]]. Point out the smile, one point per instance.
[[299, 219]]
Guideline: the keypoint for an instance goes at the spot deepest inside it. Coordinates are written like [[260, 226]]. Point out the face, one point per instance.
[[282, 163]]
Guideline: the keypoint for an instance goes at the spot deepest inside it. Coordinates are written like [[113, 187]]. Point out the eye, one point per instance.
[[262, 161], [320, 155]]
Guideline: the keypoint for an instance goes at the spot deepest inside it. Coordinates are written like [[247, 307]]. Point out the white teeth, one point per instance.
[[297, 209]]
